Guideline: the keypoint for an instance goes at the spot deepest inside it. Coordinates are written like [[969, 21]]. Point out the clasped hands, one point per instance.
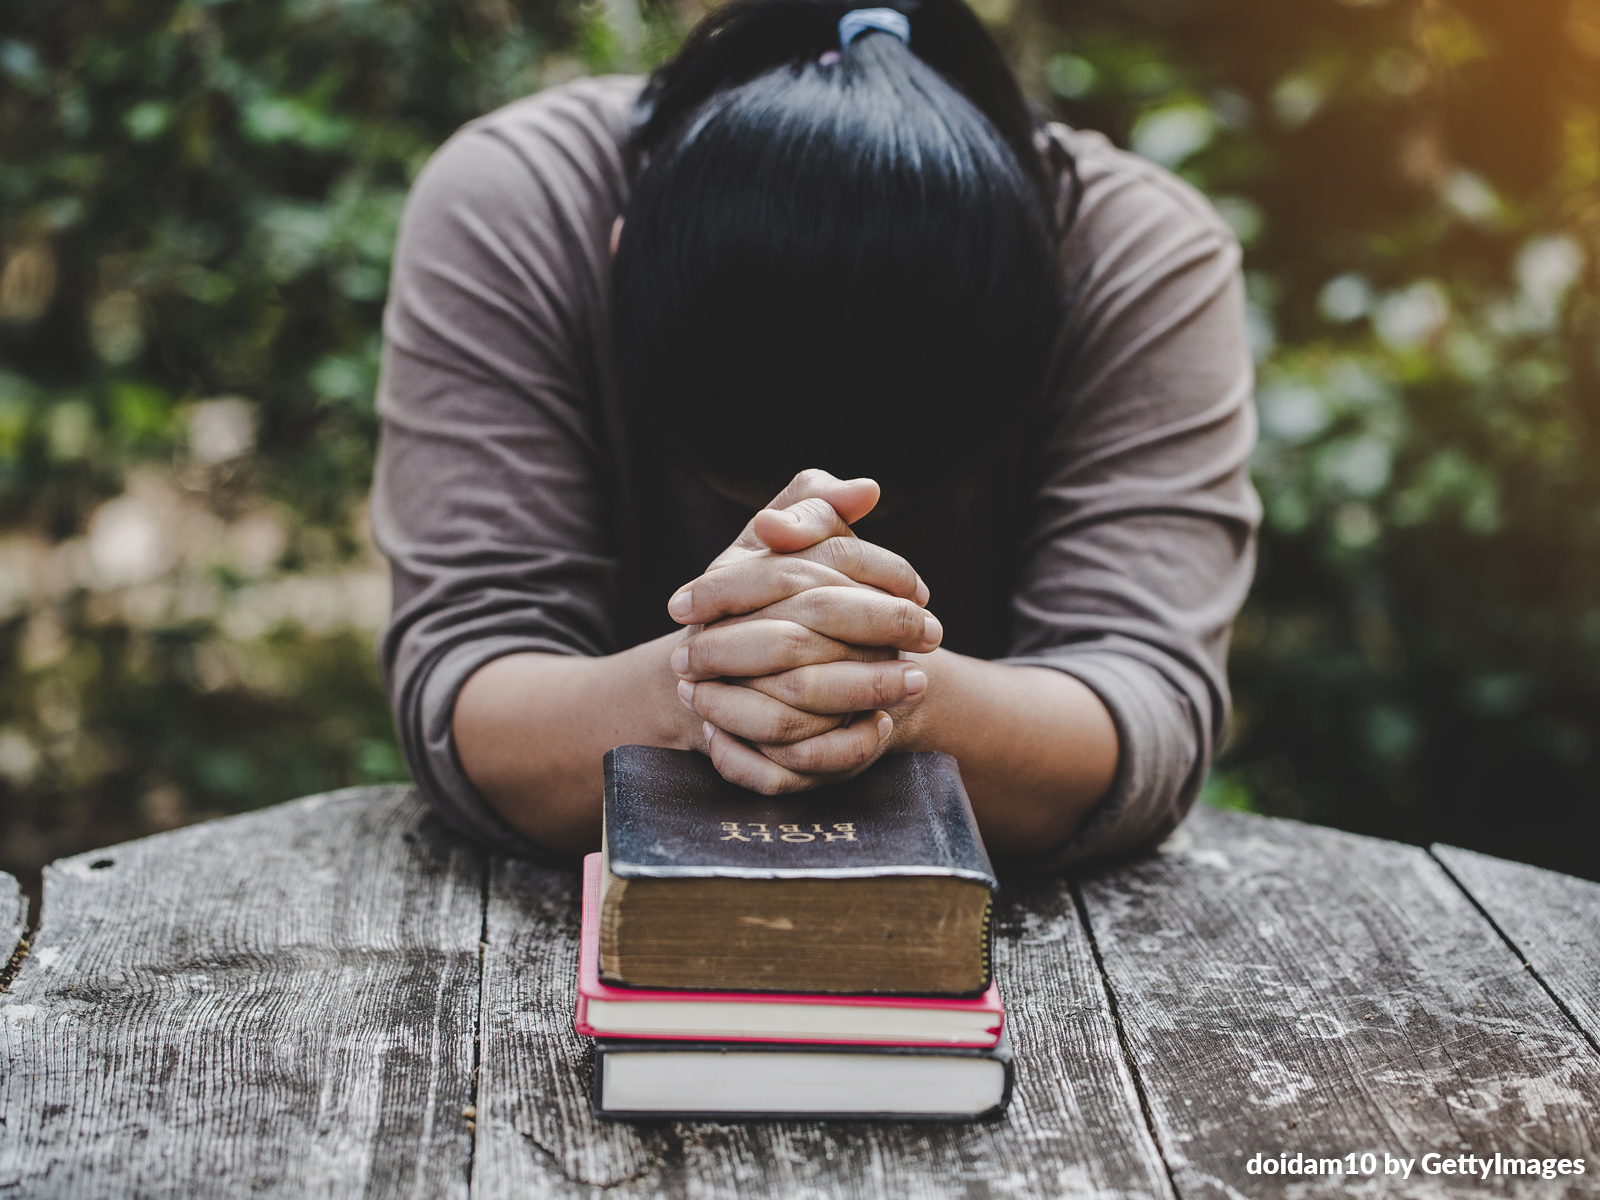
[[792, 655]]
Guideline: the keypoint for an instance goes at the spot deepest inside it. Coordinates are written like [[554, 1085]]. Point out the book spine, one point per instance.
[[1000, 1054]]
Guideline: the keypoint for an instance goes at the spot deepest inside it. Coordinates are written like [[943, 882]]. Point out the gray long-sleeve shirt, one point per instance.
[[1112, 540]]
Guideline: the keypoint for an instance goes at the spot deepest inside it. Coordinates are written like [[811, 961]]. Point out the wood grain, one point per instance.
[[286, 1004], [1288, 988], [282, 1003], [1553, 922], [1074, 1128], [13, 919]]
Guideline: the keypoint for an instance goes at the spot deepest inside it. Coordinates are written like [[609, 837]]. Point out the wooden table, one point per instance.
[[336, 998]]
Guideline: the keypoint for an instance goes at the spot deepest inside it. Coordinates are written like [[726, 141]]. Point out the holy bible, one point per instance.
[[877, 885]]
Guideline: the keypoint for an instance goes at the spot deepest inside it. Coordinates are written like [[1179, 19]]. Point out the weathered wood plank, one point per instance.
[[1288, 988], [1074, 1129], [1553, 921], [13, 919], [281, 1003]]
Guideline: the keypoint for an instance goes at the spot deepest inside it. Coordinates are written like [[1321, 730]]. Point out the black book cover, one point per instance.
[[669, 814], [1000, 1053]]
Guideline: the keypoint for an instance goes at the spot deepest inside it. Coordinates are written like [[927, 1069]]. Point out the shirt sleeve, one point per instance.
[[489, 495], [1141, 545]]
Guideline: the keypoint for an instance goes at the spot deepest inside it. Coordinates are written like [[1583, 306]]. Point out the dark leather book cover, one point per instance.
[[668, 814], [732, 1052]]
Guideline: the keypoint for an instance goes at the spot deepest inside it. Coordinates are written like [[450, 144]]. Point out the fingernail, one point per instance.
[[680, 660], [884, 725], [681, 604], [922, 593], [787, 515], [685, 691], [932, 631], [708, 728], [915, 681]]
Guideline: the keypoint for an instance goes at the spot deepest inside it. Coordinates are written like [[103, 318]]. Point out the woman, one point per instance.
[[623, 316]]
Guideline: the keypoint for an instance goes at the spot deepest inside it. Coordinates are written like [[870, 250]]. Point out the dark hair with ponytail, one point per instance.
[[845, 264]]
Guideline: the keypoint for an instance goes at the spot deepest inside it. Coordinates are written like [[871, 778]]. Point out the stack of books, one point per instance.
[[820, 955]]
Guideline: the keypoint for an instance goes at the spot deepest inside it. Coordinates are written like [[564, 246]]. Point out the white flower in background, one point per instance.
[[221, 429], [1471, 198], [1546, 268], [1292, 413], [19, 758], [129, 542], [1360, 465], [1410, 317], [1170, 135], [1345, 298], [1261, 330]]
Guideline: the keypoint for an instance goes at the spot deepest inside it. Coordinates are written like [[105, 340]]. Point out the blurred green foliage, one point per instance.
[[1417, 186], [197, 207], [198, 200]]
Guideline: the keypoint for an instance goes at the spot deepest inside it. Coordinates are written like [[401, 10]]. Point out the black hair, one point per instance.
[[844, 264]]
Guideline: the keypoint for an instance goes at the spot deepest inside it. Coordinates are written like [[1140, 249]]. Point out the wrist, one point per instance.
[[671, 723], [915, 723]]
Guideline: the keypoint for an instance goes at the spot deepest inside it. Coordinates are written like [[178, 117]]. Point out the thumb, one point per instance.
[[801, 525], [851, 498]]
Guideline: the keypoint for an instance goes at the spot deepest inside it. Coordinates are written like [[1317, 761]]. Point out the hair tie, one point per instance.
[[886, 20]]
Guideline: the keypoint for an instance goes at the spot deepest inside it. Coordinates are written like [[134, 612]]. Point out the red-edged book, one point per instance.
[[605, 1011]]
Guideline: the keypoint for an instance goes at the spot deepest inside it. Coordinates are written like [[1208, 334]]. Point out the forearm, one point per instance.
[[532, 729], [1037, 748]]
